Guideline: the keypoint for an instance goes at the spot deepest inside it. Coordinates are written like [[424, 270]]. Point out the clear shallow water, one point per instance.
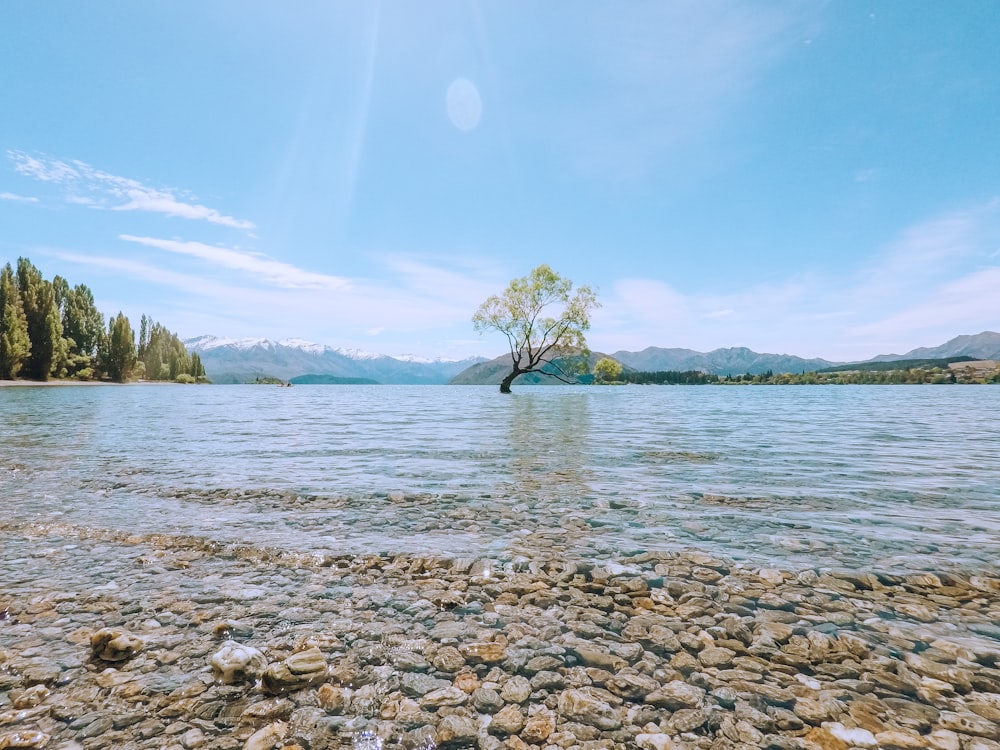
[[890, 477]]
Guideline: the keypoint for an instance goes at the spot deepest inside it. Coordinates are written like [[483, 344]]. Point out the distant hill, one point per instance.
[[316, 379], [242, 360], [897, 364], [985, 345], [731, 361], [737, 361]]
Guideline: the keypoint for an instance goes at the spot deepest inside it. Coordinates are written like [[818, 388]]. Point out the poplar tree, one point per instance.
[[118, 351], [14, 342], [44, 327], [82, 321]]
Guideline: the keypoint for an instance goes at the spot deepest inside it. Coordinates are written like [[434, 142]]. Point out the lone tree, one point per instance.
[[536, 340]]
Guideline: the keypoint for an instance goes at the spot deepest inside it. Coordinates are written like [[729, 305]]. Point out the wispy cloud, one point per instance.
[[944, 283], [389, 313], [937, 278], [157, 201], [970, 300], [465, 281], [90, 186], [276, 272], [14, 197]]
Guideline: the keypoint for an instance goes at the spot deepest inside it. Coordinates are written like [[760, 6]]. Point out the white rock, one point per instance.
[[235, 662], [656, 741], [810, 682], [855, 737], [267, 737]]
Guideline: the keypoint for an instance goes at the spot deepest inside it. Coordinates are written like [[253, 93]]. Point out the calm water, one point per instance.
[[893, 477]]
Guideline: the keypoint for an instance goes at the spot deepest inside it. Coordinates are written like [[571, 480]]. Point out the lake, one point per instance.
[[884, 477]]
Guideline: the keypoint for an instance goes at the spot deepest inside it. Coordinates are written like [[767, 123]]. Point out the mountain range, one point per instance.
[[243, 360]]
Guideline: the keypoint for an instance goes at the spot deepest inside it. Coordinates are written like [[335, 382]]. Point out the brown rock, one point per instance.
[[591, 657], [583, 706], [541, 663], [447, 696], [114, 644], [332, 699], [631, 686], [967, 723], [508, 720], [448, 659], [716, 657], [675, 695], [816, 711], [820, 738], [655, 741], [33, 696], [455, 730], [307, 662], [741, 731], [467, 682], [265, 711], [539, 726], [266, 738], [516, 690], [490, 652], [684, 663], [944, 739], [900, 740], [772, 694], [686, 720], [24, 738], [916, 611]]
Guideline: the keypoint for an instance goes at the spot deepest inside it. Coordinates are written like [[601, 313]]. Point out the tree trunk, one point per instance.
[[505, 383]]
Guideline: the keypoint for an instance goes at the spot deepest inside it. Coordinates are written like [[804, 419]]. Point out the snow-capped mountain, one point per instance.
[[240, 360]]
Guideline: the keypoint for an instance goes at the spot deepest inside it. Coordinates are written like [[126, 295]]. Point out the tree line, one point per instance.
[[49, 329], [904, 376]]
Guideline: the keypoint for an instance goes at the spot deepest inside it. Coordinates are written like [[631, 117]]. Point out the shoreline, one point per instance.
[[656, 650], [87, 383], [54, 383]]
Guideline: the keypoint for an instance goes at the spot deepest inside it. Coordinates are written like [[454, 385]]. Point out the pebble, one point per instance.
[[661, 651]]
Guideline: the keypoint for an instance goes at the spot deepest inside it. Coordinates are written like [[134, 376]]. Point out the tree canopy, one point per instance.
[[118, 353], [14, 342], [51, 329], [38, 299], [607, 370], [536, 338]]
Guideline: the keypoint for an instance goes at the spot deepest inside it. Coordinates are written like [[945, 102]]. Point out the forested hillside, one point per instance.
[[49, 329]]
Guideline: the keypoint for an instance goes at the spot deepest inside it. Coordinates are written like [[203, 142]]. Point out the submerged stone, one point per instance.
[[115, 645], [235, 663]]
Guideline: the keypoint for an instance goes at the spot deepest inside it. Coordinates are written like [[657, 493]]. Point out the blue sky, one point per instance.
[[815, 178]]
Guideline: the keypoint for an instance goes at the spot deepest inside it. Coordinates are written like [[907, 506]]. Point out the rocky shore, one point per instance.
[[111, 640]]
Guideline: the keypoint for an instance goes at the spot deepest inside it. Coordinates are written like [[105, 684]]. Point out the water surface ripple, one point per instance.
[[889, 477]]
